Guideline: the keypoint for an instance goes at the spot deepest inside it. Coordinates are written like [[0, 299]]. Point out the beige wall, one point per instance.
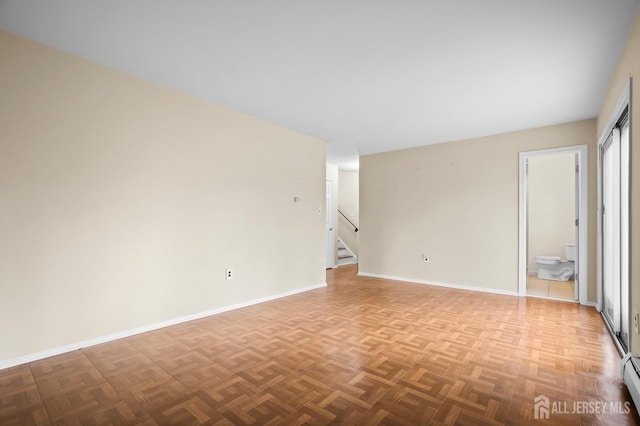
[[459, 202], [629, 67], [551, 208], [122, 202], [349, 204]]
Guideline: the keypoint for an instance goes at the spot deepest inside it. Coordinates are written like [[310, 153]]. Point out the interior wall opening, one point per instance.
[[552, 228], [553, 224]]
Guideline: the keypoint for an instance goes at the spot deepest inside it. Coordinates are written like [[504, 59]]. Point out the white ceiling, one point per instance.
[[364, 76]]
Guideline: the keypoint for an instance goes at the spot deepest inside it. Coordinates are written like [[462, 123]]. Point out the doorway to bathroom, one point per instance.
[[553, 224]]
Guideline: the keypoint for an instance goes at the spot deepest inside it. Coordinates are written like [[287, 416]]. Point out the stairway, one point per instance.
[[345, 255]]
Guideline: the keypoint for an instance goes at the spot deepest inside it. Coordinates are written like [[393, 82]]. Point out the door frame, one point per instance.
[[624, 101], [330, 261], [602, 149], [583, 225]]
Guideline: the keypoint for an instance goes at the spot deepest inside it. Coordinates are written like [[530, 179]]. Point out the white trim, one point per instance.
[[593, 305], [522, 225], [439, 284], [625, 99], [331, 249], [127, 333], [583, 160]]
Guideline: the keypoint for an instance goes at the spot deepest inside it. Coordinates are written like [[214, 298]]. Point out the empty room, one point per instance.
[[319, 212]]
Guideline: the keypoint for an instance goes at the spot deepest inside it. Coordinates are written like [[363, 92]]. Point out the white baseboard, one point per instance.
[[126, 333], [592, 304], [534, 273], [439, 284]]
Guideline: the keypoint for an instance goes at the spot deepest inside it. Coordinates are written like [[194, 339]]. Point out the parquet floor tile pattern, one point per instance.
[[362, 351]]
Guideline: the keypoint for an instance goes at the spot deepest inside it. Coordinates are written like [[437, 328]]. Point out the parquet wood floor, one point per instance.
[[361, 351]]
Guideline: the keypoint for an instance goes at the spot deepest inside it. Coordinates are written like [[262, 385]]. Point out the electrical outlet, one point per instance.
[[229, 274], [636, 321], [426, 257]]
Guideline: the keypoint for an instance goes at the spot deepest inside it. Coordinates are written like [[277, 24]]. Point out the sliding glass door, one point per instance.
[[614, 167], [625, 232], [610, 232]]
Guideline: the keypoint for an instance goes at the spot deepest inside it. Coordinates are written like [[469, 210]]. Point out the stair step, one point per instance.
[[348, 261], [345, 256]]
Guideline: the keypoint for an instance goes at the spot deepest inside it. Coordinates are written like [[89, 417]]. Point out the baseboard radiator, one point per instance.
[[631, 376]]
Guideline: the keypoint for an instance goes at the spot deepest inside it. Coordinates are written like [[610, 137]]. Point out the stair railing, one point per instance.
[[345, 216]]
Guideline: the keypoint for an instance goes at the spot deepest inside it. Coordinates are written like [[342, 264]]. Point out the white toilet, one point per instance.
[[554, 268]]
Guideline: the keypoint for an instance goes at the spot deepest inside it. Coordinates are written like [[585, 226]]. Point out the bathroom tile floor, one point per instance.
[[547, 288]]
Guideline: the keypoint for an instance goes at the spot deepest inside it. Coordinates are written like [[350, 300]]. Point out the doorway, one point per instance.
[[547, 248], [329, 225]]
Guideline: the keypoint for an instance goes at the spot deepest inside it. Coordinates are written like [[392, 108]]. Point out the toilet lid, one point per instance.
[[548, 258], [554, 258]]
